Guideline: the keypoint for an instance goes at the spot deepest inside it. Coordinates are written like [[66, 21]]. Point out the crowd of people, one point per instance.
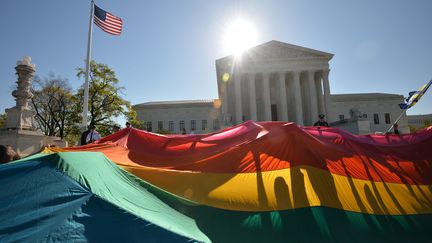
[[92, 135]]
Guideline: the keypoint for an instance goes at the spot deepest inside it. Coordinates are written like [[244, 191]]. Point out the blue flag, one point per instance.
[[415, 96]]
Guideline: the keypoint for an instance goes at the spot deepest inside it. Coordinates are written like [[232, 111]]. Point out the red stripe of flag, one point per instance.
[[113, 22], [107, 25], [106, 28], [107, 22]]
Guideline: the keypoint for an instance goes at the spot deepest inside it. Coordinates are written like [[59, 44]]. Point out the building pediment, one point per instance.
[[276, 50]]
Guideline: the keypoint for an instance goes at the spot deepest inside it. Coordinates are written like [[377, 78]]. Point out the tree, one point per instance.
[[105, 102], [412, 128], [58, 109], [2, 119], [131, 117], [54, 104], [426, 123]]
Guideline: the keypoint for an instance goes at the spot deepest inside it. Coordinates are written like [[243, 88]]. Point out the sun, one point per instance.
[[239, 36]]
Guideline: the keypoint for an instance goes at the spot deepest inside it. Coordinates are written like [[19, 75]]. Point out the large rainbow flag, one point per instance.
[[256, 182]]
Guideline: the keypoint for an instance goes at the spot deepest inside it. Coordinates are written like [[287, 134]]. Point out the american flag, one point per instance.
[[107, 22]]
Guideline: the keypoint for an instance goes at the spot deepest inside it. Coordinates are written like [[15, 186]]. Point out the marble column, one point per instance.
[[266, 96], [225, 102], [313, 97], [238, 99], [283, 97], [252, 97], [321, 102], [326, 85], [298, 99]]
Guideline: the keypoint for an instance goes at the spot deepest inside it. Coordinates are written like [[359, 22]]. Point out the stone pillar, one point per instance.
[[225, 113], [21, 116], [298, 98], [283, 97], [313, 97], [19, 130], [321, 102], [266, 96], [326, 85], [252, 97], [238, 99]]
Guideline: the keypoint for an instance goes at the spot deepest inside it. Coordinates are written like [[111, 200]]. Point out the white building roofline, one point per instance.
[[175, 103]]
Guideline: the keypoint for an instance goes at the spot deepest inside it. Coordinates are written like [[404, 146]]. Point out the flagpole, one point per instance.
[[86, 83], [400, 116], [412, 99]]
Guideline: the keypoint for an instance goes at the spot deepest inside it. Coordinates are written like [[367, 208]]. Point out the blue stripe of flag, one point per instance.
[[100, 13]]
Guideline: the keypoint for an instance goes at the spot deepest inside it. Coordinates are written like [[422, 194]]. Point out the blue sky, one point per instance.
[[167, 50]]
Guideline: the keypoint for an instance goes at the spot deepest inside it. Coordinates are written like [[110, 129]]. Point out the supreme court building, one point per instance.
[[274, 81]]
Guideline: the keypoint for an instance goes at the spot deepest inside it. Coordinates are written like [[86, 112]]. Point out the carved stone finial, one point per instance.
[[19, 130], [22, 116], [25, 71], [26, 61]]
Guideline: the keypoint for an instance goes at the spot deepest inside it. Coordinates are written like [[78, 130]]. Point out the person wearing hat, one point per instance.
[[321, 122]]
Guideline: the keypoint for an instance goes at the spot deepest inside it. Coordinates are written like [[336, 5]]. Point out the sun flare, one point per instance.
[[239, 36]]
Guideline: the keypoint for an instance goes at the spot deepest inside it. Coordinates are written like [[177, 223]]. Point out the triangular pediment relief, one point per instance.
[[275, 50]]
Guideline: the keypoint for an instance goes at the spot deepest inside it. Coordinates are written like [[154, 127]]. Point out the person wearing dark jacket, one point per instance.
[[395, 128], [128, 125], [321, 122], [84, 137]]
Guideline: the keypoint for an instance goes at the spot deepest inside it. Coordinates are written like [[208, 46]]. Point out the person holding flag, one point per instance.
[[411, 100]]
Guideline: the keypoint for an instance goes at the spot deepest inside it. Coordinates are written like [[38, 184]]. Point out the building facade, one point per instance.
[[376, 111], [191, 116], [274, 81], [277, 81], [419, 121]]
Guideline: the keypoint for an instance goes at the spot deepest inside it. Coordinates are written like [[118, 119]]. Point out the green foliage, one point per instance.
[[165, 132], [412, 128], [73, 135], [2, 119], [105, 102], [58, 108], [426, 123], [131, 117], [106, 128]]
